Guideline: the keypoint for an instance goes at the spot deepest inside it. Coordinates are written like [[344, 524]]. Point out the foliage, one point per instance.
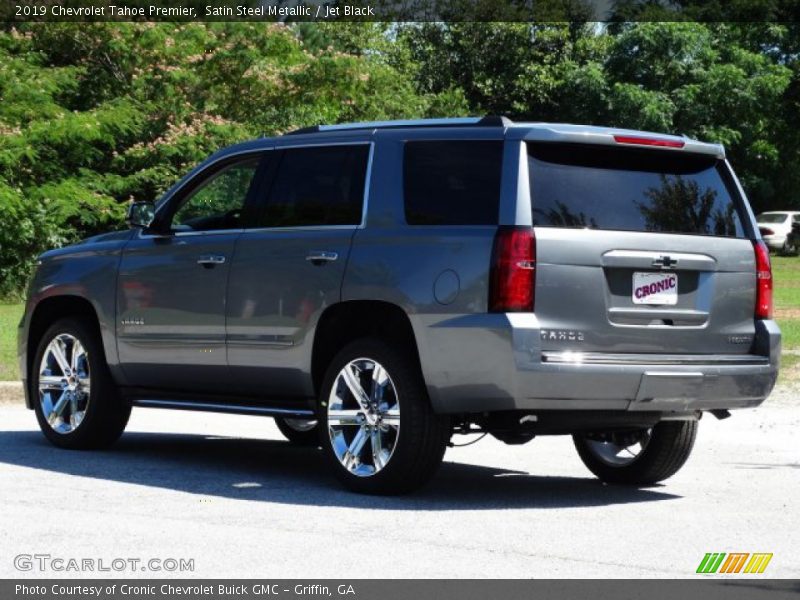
[[93, 115]]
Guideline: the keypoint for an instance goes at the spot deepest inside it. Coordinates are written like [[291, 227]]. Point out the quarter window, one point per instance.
[[452, 182], [321, 185]]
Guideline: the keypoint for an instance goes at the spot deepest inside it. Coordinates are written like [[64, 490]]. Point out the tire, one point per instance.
[[663, 454], [88, 419], [410, 437], [299, 432]]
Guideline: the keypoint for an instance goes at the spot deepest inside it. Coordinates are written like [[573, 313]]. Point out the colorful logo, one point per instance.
[[734, 562]]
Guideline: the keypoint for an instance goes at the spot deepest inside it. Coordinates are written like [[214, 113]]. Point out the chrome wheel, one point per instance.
[[301, 425], [64, 383], [620, 449], [363, 417]]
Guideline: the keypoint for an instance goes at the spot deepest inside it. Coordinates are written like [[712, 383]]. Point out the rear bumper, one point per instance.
[[775, 242], [486, 363]]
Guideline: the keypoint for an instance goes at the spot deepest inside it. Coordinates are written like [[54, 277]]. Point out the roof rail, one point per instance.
[[488, 121]]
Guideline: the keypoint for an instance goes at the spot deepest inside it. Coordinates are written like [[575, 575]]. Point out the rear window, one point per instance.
[[452, 182], [630, 189], [772, 218]]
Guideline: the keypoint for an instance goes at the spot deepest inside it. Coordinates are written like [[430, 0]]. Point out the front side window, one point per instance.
[[601, 187], [318, 185], [218, 202], [452, 182]]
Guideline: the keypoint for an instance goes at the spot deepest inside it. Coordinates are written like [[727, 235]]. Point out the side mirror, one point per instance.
[[141, 214]]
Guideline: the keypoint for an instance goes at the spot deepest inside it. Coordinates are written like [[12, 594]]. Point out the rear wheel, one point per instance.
[[377, 426], [77, 403], [301, 432], [639, 457]]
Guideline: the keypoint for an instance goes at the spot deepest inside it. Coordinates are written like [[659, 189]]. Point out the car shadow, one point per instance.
[[277, 471]]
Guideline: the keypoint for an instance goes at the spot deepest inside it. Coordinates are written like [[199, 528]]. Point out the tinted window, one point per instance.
[[219, 200], [452, 183], [630, 189], [772, 218], [321, 185]]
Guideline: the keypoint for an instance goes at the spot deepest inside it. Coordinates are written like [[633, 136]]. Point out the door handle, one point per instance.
[[210, 260], [320, 257]]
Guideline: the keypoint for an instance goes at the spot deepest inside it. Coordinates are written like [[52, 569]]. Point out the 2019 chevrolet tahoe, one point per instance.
[[380, 287]]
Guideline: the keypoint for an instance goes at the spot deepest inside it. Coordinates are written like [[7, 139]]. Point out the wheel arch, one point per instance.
[[347, 321], [48, 311]]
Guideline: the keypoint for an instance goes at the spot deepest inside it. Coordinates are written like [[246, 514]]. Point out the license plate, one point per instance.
[[655, 288]]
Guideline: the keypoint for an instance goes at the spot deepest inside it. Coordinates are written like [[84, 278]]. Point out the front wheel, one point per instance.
[[638, 457], [76, 402], [377, 426]]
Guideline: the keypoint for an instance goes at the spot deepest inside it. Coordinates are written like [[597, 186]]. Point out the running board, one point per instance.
[[230, 408]]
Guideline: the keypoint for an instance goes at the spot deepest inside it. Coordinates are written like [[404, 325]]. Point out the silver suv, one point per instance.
[[379, 287]]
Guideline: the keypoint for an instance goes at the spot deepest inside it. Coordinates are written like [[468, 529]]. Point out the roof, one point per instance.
[[535, 131]]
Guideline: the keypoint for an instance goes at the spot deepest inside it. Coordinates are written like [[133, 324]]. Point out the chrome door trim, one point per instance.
[[599, 358]]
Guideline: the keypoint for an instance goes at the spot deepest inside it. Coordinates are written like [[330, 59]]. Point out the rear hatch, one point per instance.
[[640, 251]]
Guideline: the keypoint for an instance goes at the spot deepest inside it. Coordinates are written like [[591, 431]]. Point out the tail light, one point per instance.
[[763, 281], [513, 272], [648, 141], [766, 231]]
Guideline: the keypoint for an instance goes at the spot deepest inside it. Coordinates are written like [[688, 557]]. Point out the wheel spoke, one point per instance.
[[351, 457], [354, 385], [50, 382], [379, 381], [62, 402], [47, 406], [391, 415], [77, 353], [376, 441], [73, 406], [76, 418], [344, 417], [57, 352]]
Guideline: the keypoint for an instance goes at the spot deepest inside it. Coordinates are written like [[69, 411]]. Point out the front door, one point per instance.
[[172, 285]]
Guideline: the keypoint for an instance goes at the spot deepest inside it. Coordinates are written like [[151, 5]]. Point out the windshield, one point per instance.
[[602, 187]]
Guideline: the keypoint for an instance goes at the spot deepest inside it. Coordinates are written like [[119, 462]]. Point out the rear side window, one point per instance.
[[452, 182], [601, 187], [322, 185]]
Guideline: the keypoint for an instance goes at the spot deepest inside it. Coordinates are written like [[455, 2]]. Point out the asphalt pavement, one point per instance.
[[229, 494]]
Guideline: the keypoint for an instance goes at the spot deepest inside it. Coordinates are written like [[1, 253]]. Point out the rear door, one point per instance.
[[289, 268], [640, 251]]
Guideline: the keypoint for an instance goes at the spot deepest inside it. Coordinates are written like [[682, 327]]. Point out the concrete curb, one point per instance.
[[11, 392]]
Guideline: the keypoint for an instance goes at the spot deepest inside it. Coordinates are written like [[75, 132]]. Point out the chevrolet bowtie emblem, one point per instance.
[[665, 262]]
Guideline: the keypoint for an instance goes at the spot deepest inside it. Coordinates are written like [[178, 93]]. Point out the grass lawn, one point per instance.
[[786, 271], [10, 314]]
